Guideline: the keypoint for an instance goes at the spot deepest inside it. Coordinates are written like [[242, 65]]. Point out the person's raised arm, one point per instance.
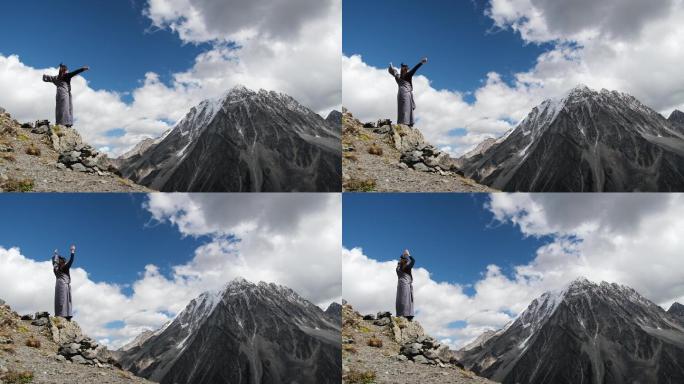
[[414, 69], [411, 262], [71, 258], [49, 79], [392, 71], [55, 262], [76, 72]]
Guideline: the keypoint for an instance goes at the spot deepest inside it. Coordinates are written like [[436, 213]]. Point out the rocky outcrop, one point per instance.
[[677, 311], [39, 348], [334, 311], [586, 141], [387, 349], [244, 141], [585, 333], [677, 119]]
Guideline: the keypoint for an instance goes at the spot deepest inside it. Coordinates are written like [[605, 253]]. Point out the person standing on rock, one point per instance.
[[60, 266], [404, 301], [405, 103], [64, 110]]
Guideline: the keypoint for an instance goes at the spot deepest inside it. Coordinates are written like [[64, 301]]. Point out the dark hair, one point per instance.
[[61, 259], [62, 69]]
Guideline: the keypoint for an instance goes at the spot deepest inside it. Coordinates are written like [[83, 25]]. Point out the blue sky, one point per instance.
[[115, 236], [458, 38], [113, 37], [453, 235]]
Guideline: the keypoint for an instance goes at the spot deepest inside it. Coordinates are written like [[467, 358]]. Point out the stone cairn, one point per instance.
[[74, 154], [415, 345], [416, 153], [73, 345]]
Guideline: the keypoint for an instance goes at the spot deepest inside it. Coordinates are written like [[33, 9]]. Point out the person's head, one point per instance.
[[404, 259], [62, 69], [61, 261], [404, 69]]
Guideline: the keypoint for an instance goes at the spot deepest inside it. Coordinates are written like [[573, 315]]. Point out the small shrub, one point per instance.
[[16, 377], [8, 157], [364, 329], [359, 377], [33, 342], [349, 348], [375, 149], [22, 329], [18, 185], [350, 156], [57, 130], [356, 185], [7, 348], [375, 342], [33, 150], [23, 137]]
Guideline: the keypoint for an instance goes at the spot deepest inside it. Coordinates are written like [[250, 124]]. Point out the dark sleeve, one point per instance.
[[71, 261], [414, 69], [74, 73], [55, 264], [49, 79], [410, 264]]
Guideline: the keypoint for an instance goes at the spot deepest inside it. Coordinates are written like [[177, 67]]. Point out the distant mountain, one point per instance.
[[677, 311], [586, 333], [242, 141], [335, 119], [677, 119], [243, 333], [585, 141], [334, 311]]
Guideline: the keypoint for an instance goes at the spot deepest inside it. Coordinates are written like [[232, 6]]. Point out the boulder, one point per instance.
[[381, 322], [382, 130], [89, 162], [369, 125], [69, 349], [60, 358], [27, 317], [442, 160], [411, 349], [383, 122], [420, 167], [89, 354], [443, 353], [369, 317], [63, 331], [69, 157], [380, 315], [27, 125], [38, 123], [39, 315], [420, 359], [64, 139], [407, 139], [78, 359], [405, 331], [431, 354], [78, 167], [41, 129], [40, 322], [411, 157]]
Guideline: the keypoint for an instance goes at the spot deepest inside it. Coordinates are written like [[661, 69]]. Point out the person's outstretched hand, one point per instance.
[[73, 249], [423, 60], [86, 67]]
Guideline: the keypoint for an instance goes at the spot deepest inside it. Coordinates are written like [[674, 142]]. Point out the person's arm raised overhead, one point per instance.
[[71, 259], [55, 261], [411, 262], [76, 72], [392, 71], [415, 68]]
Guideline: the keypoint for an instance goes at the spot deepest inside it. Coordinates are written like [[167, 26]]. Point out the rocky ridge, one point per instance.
[[385, 157], [44, 349], [386, 349], [42, 157]]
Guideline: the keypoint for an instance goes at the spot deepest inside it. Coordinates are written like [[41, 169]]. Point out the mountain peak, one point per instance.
[[676, 308], [580, 281]]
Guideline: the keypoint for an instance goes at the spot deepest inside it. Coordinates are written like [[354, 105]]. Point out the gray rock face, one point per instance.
[[335, 120], [244, 141], [587, 141], [677, 119], [245, 333], [586, 333], [677, 311], [334, 311]]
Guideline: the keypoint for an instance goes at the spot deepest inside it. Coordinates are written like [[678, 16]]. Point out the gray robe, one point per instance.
[[404, 301], [64, 110], [405, 103], [62, 287]]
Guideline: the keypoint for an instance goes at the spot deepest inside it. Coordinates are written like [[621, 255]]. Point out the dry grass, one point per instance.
[[18, 185], [17, 377], [359, 377], [7, 348], [57, 130], [375, 342], [375, 149], [8, 157], [357, 185], [23, 137], [349, 348], [33, 150], [350, 156], [33, 342]]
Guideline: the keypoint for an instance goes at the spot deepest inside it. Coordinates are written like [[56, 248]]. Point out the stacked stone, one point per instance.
[[83, 158], [84, 351]]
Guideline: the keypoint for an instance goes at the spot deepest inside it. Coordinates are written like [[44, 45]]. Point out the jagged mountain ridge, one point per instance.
[[242, 141], [677, 119], [677, 311], [244, 333], [585, 141], [586, 333]]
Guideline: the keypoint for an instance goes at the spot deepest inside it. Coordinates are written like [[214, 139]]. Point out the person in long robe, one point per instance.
[[64, 110], [405, 102], [404, 302], [61, 267]]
